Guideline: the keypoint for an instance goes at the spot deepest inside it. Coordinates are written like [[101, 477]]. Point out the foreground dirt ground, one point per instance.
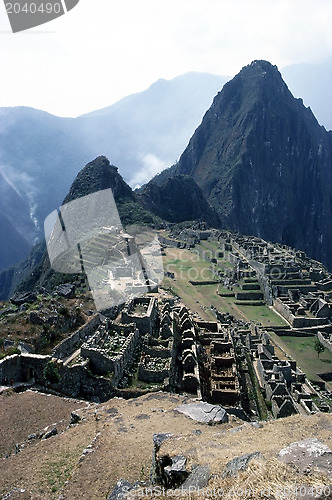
[[114, 440]]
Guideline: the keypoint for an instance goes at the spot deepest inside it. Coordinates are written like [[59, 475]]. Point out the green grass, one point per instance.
[[135, 383], [57, 472], [212, 249], [263, 315], [189, 266], [236, 289], [302, 349]]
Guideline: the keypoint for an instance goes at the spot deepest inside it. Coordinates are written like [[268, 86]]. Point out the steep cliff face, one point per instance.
[[178, 199], [98, 175], [264, 162]]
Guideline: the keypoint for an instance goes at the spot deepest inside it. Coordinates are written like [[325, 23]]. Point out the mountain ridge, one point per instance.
[[264, 163], [41, 154]]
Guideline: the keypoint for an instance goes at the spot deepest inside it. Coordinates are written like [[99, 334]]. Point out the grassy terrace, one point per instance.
[[302, 349], [186, 266]]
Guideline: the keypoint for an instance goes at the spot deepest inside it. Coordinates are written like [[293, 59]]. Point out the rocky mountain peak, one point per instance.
[[264, 163], [97, 175]]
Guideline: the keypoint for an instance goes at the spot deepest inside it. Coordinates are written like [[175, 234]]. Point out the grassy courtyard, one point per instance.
[[186, 266], [303, 350]]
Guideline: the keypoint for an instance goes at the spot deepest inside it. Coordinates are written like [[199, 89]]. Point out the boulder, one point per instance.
[[21, 298], [204, 413], [74, 418], [240, 463], [7, 343], [52, 432], [7, 311], [35, 319], [25, 348], [32, 436], [309, 454], [197, 479], [67, 290], [159, 438], [158, 464], [121, 488], [176, 471]]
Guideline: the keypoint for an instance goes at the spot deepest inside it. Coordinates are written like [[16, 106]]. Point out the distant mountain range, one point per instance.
[[313, 83], [40, 154]]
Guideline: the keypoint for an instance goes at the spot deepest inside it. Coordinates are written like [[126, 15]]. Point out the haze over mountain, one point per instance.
[[313, 82], [264, 163], [155, 205], [40, 154]]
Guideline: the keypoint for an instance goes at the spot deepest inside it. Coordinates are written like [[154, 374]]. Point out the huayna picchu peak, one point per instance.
[[264, 163]]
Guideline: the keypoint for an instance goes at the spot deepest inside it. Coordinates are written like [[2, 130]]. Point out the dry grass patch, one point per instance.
[[121, 434]]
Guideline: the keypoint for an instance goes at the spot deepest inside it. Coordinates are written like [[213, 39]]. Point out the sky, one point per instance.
[[103, 50]]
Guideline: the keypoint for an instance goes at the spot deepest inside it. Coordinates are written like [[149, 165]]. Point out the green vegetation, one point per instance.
[[64, 311], [135, 383], [51, 373], [268, 404], [187, 265], [319, 348], [132, 213], [57, 472], [262, 314], [140, 309], [9, 352], [256, 393], [303, 350]]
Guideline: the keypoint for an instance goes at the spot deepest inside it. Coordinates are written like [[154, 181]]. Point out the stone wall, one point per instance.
[[249, 295], [168, 242], [296, 321], [76, 381], [146, 323], [147, 374], [69, 345], [24, 368], [211, 326], [326, 343], [157, 352], [206, 282], [102, 363], [282, 407]]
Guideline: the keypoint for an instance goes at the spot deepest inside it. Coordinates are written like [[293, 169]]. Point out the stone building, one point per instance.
[[110, 350]]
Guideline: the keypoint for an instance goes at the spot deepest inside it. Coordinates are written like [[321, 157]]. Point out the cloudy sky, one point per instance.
[[103, 50]]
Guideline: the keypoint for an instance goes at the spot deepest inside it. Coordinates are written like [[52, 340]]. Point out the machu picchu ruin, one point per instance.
[[156, 342]]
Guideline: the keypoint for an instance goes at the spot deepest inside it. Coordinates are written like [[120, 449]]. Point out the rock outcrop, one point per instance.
[[178, 199]]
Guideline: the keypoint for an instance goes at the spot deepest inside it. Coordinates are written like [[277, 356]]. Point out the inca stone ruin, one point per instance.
[[156, 343]]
